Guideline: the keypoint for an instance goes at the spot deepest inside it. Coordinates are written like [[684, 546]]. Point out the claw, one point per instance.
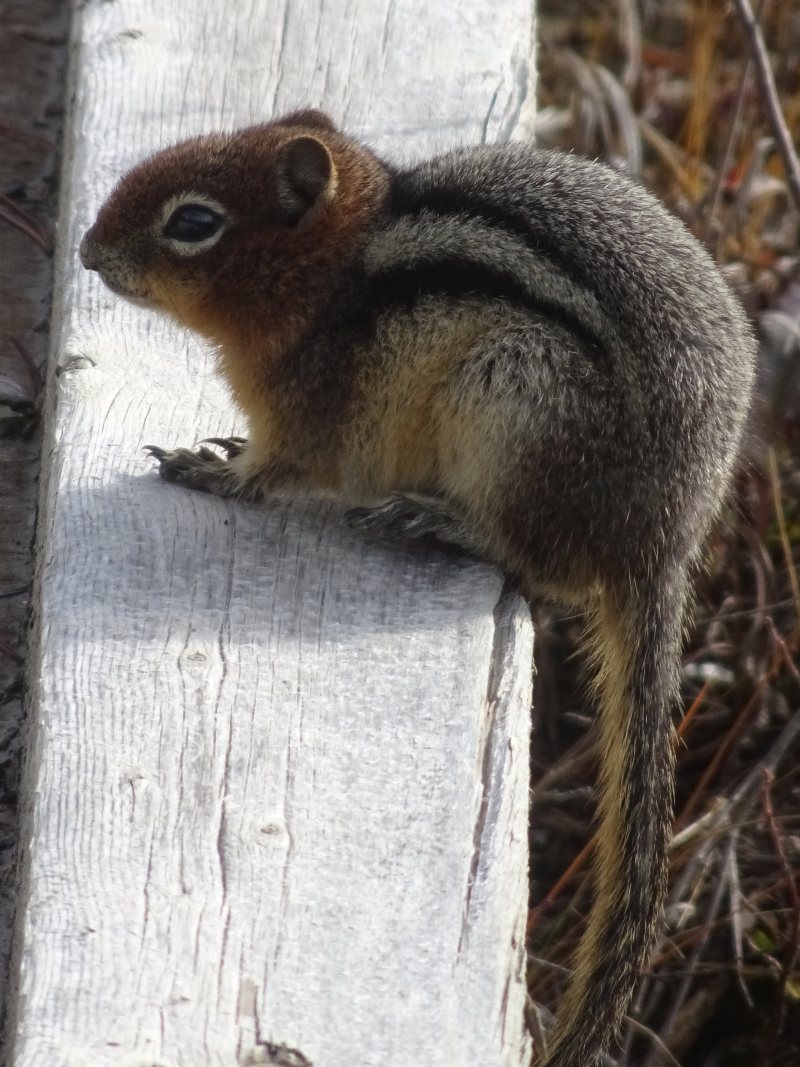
[[231, 446], [206, 454], [155, 451], [398, 516], [268, 1054], [200, 469], [412, 516], [358, 518]]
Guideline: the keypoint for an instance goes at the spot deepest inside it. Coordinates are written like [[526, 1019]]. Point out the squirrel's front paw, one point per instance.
[[201, 469]]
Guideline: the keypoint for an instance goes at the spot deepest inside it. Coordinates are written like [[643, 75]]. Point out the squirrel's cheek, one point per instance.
[[182, 300]]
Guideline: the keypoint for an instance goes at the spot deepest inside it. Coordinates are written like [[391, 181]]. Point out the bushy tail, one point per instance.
[[636, 640]]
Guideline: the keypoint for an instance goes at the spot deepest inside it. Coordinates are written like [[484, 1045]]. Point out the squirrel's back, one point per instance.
[[632, 381]]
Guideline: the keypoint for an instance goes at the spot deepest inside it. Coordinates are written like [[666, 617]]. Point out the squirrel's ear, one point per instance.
[[304, 173], [308, 117]]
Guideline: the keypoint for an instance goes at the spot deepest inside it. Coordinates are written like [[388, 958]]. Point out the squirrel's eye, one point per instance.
[[192, 222]]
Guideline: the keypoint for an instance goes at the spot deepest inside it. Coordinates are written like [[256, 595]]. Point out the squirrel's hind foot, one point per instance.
[[403, 516]]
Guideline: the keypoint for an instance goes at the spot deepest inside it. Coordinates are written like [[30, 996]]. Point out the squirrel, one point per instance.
[[509, 348]]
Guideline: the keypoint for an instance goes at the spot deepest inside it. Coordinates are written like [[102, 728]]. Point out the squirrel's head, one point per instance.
[[205, 228]]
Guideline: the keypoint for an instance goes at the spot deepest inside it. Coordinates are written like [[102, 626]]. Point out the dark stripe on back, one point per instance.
[[406, 198], [456, 278], [315, 377]]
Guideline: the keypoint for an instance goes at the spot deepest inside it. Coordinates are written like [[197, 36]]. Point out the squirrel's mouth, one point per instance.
[[120, 290], [114, 286], [133, 296], [138, 296]]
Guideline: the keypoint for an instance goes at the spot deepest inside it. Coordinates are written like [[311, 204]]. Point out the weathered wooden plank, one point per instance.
[[277, 780]]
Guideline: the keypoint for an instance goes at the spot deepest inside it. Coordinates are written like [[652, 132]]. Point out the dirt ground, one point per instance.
[[33, 55]]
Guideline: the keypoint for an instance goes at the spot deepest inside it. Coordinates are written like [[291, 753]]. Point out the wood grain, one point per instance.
[[277, 779]]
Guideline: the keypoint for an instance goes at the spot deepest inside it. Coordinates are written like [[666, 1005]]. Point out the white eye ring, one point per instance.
[[173, 204]]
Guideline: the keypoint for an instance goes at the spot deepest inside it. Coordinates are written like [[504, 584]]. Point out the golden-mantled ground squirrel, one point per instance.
[[523, 352]]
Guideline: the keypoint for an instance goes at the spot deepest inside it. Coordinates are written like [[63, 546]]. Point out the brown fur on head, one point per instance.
[[228, 230]]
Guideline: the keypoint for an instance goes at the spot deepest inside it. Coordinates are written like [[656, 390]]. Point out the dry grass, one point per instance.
[[667, 91]]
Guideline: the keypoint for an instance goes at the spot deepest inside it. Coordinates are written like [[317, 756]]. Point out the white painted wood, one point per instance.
[[277, 779]]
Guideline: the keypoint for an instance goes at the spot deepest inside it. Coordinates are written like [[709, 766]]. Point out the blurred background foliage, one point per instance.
[[669, 92]]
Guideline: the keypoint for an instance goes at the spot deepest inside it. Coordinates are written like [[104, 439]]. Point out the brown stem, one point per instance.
[[766, 83], [793, 946]]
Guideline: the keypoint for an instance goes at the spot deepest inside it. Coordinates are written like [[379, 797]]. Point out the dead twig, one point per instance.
[[680, 998], [653, 1037], [766, 83], [579, 861], [781, 520], [726, 811], [727, 159], [734, 884], [16, 592], [7, 649], [34, 374], [17, 133], [573, 763], [673, 157], [634, 1024], [630, 32], [724, 616], [794, 935], [25, 223], [722, 754], [780, 747]]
